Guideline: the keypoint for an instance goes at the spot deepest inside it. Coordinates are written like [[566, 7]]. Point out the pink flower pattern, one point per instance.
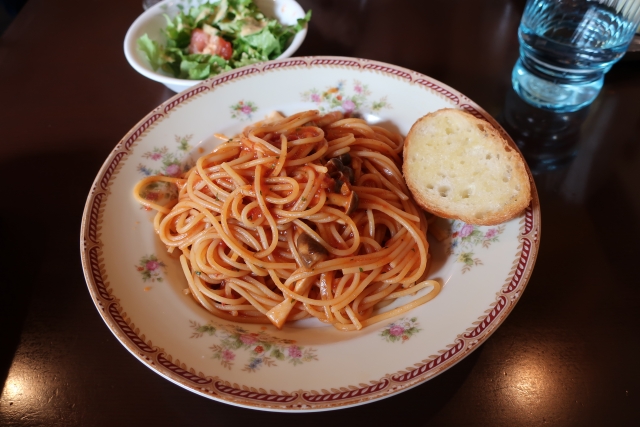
[[228, 355], [294, 351], [396, 330], [466, 230], [150, 268], [248, 339], [173, 170], [339, 97], [243, 110], [491, 233], [401, 330], [172, 163], [465, 238], [264, 350], [348, 105]]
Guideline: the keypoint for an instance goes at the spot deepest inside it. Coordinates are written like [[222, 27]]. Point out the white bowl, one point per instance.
[[152, 22]]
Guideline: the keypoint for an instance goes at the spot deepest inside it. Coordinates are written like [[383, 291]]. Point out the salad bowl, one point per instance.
[[154, 20]]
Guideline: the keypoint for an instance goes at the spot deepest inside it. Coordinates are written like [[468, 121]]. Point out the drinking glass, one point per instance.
[[567, 46]]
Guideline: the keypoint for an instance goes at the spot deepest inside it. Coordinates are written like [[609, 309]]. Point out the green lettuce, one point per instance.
[[229, 18]]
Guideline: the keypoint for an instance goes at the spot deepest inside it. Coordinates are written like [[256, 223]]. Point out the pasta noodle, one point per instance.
[[296, 217]]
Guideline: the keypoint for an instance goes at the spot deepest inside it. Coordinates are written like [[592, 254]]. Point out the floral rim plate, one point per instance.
[[307, 366]]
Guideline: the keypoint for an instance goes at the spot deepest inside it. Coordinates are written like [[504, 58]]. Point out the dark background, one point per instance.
[[566, 356]]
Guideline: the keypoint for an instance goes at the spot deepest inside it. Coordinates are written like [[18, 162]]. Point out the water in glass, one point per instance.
[[566, 46]]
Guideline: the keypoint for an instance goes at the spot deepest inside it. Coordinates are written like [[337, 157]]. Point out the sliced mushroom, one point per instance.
[[339, 180], [345, 159], [349, 201], [343, 177], [311, 252], [278, 314], [338, 170], [334, 165], [348, 173], [345, 189]]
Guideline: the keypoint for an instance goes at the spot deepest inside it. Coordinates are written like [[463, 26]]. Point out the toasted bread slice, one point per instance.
[[458, 166]]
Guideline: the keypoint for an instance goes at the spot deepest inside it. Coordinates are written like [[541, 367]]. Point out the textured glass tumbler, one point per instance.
[[566, 47]]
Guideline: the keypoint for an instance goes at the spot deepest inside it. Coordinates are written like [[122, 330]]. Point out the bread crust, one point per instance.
[[436, 206]]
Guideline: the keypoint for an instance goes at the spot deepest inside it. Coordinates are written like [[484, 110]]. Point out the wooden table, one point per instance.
[[566, 356]]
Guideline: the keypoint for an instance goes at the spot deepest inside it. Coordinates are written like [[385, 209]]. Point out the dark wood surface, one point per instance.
[[566, 356]]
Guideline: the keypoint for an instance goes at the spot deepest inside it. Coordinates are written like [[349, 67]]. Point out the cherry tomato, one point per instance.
[[223, 48], [199, 40], [202, 42]]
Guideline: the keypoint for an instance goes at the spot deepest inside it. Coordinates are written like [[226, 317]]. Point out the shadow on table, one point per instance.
[[17, 280], [8, 11], [549, 141], [40, 214]]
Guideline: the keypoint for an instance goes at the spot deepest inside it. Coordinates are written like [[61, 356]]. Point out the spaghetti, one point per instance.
[[296, 217]]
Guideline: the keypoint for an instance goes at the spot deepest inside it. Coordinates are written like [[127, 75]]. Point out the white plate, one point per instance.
[[153, 21], [137, 286]]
